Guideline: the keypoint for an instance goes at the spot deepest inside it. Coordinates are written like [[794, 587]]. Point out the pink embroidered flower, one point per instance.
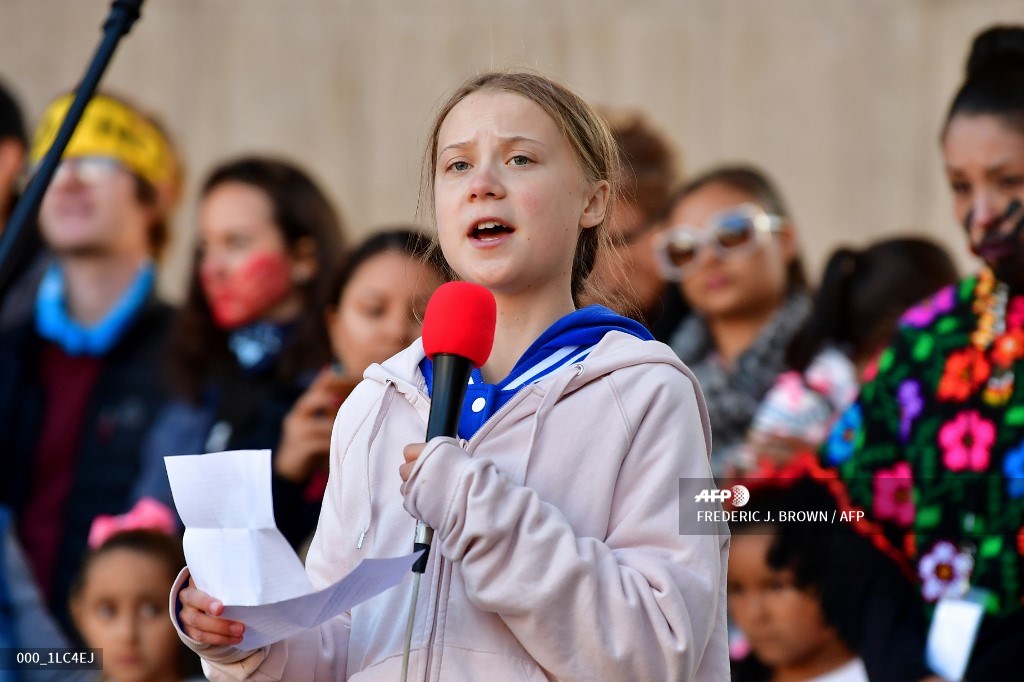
[[1015, 313], [893, 499], [966, 441], [944, 571], [925, 312], [870, 370]]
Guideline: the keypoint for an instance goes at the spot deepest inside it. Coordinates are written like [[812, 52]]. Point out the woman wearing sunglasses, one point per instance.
[[733, 251]]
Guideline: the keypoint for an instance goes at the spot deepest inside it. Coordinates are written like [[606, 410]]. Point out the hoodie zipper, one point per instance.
[[441, 564]]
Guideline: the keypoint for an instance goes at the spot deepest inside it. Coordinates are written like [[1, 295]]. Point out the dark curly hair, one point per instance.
[[199, 349]]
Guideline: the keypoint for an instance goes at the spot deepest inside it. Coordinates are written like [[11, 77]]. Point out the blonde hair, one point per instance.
[[583, 128]]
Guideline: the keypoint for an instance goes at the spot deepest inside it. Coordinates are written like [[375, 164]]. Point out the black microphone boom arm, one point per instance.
[[18, 234]]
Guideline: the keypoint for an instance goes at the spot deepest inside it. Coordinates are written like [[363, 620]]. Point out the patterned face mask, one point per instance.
[[1001, 248]]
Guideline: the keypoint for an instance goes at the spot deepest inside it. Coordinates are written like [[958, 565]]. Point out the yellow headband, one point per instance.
[[109, 128]]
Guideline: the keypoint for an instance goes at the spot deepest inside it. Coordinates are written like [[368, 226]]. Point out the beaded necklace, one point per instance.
[[992, 338]]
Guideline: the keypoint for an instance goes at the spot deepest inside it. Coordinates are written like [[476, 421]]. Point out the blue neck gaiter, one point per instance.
[[55, 324]]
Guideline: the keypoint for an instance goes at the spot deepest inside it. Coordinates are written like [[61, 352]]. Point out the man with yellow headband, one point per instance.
[[88, 380]]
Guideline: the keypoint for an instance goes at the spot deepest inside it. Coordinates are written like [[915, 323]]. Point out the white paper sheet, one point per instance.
[[951, 637], [273, 622], [236, 553]]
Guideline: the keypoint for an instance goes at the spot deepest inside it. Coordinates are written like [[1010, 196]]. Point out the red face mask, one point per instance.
[[258, 284]]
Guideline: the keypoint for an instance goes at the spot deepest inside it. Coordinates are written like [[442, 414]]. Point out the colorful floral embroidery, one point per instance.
[[1013, 468], [1008, 348], [944, 571], [870, 370], [990, 307], [909, 397], [910, 544], [965, 372], [934, 447], [966, 440], [924, 313], [998, 390], [1015, 312], [842, 440], [894, 497]]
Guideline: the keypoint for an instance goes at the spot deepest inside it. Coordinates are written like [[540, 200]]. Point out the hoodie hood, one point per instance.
[[401, 374], [565, 343], [582, 328], [616, 350]]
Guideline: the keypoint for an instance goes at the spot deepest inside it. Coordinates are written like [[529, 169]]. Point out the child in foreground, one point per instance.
[[557, 552], [117, 602]]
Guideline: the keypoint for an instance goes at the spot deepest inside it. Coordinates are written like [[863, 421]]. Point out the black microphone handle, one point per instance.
[[451, 375]]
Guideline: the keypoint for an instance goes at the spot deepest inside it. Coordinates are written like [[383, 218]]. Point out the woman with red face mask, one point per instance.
[[251, 336]]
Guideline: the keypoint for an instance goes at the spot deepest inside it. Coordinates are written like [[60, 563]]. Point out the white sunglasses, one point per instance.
[[736, 230]]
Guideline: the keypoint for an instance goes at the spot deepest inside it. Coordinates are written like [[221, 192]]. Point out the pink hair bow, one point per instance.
[[147, 514]]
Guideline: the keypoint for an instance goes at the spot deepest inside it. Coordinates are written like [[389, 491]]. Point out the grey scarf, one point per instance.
[[733, 396]]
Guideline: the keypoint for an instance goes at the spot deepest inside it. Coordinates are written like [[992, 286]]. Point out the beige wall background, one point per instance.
[[840, 100]]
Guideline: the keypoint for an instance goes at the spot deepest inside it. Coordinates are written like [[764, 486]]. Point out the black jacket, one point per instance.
[[248, 411], [127, 395]]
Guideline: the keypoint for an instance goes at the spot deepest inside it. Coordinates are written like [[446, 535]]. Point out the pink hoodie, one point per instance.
[[557, 553]]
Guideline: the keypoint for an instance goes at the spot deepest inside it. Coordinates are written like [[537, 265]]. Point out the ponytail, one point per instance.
[[864, 292], [829, 320]]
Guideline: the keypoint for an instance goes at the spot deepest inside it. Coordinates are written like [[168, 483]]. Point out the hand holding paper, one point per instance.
[[236, 554]]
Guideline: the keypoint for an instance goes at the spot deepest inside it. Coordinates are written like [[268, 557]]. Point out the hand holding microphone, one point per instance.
[[458, 332]]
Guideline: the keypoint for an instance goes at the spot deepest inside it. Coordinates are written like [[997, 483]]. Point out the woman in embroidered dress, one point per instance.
[[251, 335], [934, 448], [733, 249]]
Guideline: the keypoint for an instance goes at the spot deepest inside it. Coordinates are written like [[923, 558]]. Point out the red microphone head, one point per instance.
[[460, 320]]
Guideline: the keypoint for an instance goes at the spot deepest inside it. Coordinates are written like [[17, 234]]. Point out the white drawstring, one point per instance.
[[385, 405]]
